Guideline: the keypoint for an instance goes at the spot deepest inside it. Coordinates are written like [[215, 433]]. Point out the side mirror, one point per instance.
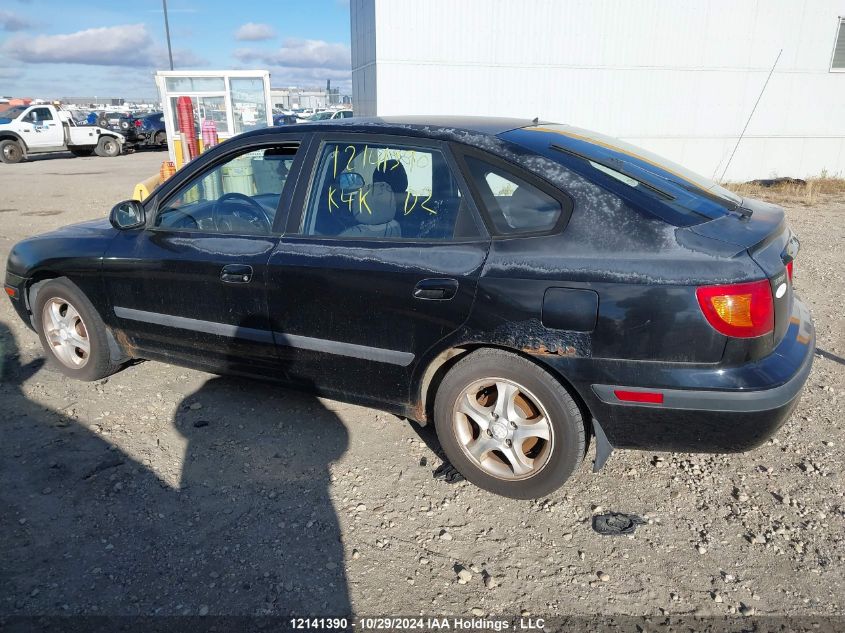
[[350, 181], [128, 214]]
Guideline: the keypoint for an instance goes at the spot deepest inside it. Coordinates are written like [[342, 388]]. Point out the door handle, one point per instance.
[[436, 289], [236, 274]]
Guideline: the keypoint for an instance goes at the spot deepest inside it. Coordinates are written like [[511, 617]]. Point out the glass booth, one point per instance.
[[223, 103]]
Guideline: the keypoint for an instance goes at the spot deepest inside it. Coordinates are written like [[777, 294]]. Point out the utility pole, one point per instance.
[[167, 32]]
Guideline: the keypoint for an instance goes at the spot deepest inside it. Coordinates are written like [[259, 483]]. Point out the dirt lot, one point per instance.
[[169, 491]]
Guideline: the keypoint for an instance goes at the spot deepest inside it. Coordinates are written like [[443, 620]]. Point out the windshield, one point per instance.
[[13, 112], [608, 147]]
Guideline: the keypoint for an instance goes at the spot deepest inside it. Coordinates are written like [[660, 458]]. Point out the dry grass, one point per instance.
[[809, 193]]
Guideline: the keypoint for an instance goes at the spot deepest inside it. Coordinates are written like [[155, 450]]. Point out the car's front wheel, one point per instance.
[[507, 425], [71, 331]]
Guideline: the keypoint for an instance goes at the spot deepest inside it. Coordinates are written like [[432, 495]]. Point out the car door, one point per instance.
[[191, 285], [381, 264], [40, 129]]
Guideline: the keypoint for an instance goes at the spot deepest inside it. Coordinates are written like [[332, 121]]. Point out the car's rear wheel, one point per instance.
[[507, 425], [10, 152], [71, 331], [160, 139], [107, 146]]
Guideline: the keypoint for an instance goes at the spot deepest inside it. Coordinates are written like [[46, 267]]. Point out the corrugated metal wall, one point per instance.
[[679, 78]]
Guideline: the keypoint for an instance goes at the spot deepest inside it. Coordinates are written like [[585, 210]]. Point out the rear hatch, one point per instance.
[[706, 214], [760, 228]]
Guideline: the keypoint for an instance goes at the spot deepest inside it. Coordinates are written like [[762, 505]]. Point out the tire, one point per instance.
[[544, 425], [102, 122], [81, 152], [11, 152], [160, 139], [107, 146], [64, 317]]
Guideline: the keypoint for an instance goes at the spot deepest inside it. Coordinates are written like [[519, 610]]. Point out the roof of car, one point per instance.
[[481, 125]]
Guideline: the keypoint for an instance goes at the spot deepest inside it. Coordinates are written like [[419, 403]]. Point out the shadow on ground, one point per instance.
[[249, 530]]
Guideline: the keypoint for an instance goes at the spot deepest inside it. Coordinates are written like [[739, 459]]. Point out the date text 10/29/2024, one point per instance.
[[420, 623]]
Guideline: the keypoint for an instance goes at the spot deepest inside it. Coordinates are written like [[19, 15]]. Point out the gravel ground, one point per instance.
[[168, 491]]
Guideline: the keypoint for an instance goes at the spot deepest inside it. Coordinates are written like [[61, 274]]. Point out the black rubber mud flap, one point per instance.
[[603, 447]]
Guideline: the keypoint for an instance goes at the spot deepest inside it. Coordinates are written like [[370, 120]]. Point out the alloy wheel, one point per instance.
[[66, 333], [503, 428]]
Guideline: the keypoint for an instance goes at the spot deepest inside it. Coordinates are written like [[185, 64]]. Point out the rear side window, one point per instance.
[[386, 191], [514, 205]]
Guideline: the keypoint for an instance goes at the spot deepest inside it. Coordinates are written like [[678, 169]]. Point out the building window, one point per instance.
[[838, 61]]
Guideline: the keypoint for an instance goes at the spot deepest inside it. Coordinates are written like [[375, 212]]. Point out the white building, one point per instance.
[[286, 98], [680, 78]]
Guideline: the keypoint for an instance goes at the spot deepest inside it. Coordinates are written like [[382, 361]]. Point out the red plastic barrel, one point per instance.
[[185, 117]]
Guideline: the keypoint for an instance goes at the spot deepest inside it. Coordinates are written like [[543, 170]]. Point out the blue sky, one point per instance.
[[56, 48]]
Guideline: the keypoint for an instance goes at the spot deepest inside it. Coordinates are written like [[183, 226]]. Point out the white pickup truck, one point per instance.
[[42, 128]]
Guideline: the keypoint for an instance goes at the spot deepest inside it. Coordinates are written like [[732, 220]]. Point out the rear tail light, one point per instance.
[[739, 310], [789, 269], [139, 123]]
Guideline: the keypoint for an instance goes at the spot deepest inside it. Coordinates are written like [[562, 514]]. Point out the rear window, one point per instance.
[[644, 159], [676, 194]]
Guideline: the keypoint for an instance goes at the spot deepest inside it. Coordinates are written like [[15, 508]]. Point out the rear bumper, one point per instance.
[[717, 408], [717, 401]]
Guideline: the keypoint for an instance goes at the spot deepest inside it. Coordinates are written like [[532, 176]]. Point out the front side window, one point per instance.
[[239, 196], [38, 114], [386, 191], [514, 205]]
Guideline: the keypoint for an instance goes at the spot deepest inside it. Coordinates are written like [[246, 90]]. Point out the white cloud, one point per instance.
[[301, 54], [303, 63], [10, 21], [124, 45], [127, 45], [255, 32]]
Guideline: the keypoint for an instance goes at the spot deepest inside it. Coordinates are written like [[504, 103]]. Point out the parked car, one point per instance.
[[329, 115], [110, 118], [524, 286], [152, 127], [285, 119]]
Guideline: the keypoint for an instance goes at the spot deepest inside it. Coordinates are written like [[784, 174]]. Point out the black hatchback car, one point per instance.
[[527, 286]]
